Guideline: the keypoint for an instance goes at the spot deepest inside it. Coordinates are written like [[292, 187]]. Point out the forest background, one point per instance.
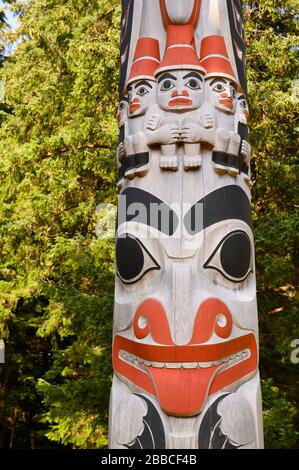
[[58, 136]]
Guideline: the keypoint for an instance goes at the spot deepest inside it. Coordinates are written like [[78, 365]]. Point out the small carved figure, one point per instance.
[[141, 89], [221, 88], [180, 97]]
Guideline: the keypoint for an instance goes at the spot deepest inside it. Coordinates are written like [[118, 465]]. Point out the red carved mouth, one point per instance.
[[180, 102], [228, 102], [134, 107], [182, 377]]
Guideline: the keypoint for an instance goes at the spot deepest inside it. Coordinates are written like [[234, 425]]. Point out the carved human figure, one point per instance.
[[242, 115], [141, 89], [122, 120], [220, 92], [180, 92]]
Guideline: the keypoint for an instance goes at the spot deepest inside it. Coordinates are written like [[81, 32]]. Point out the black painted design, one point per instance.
[[233, 257], [210, 435], [236, 22], [153, 436], [125, 41], [228, 202], [219, 158], [133, 259], [143, 207]]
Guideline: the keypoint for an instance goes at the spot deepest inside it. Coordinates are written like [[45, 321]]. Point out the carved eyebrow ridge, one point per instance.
[[193, 74], [166, 75], [217, 80], [143, 82], [242, 97]]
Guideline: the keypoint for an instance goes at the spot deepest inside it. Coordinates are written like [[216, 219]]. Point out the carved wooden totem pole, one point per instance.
[[185, 339]]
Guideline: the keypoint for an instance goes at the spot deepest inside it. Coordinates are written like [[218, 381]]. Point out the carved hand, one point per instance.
[[207, 120], [120, 152], [246, 150], [191, 133], [167, 134]]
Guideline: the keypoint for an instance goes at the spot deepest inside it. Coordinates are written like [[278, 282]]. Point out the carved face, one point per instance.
[[221, 93], [122, 112], [141, 96], [242, 108], [183, 315], [180, 91]]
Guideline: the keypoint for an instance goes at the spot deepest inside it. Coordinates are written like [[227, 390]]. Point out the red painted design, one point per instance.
[[146, 59], [183, 392], [214, 57]]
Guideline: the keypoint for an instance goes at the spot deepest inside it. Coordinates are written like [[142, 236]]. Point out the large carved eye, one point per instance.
[[167, 85], [194, 84], [233, 91], [243, 104], [133, 259], [232, 257], [142, 91], [219, 88]]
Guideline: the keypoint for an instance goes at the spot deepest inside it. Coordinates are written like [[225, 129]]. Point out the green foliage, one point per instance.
[[279, 415], [57, 144], [272, 55], [57, 164]]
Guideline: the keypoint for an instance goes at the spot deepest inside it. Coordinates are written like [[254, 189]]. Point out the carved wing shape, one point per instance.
[[153, 435]]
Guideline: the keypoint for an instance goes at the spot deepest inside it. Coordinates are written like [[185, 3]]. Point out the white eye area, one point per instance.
[[233, 92], [221, 320], [167, 85], [219, 88], [193, 84], [142, 322], [243, 104], [130, 95], [142, 91]]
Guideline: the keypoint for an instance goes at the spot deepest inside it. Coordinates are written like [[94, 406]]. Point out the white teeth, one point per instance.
[[173, 365], [205, 365], [190, 365], [225, 362], [158, 365]]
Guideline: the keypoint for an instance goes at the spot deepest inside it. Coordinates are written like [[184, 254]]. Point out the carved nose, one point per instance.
[[175, 93], [185, 93]]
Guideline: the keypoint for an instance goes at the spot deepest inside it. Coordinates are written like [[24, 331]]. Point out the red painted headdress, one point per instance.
[[146, 60], [214, 58], [180, 52]]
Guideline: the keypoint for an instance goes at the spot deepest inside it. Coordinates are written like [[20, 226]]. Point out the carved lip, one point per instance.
[[180, 102], [182, 391], [134, 107], [227, 102]]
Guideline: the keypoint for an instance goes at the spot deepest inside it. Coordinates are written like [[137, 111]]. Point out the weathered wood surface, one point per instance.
[[185, 348]]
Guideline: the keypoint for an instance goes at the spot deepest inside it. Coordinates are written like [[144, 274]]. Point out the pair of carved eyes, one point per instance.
[[168, 84], [243, 104], [141, 91], [220, 88], [232, 258]]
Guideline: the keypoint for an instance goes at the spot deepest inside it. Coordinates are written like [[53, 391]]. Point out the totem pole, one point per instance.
[[185, 333]]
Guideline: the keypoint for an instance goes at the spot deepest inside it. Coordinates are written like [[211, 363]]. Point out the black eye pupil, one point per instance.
[[129, 257], [236, 255], [193, 83], [167, 84]]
